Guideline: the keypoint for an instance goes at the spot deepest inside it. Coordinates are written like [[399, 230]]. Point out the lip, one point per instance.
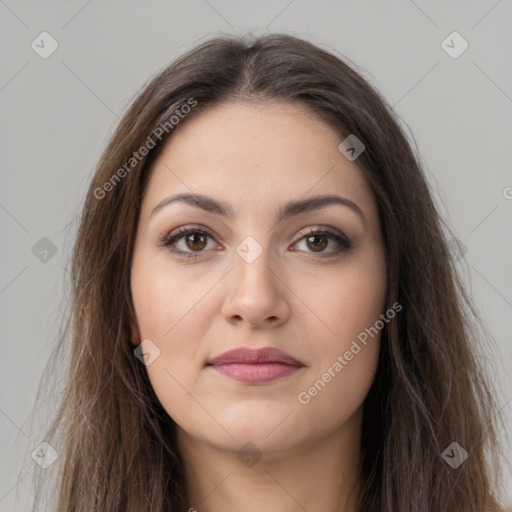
[[255, 365], [255, 356]]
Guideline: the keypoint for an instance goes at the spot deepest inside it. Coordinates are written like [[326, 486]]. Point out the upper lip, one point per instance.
[[254, 356]]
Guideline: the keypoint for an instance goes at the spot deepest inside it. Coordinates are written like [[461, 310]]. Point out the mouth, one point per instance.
[[255, 366]]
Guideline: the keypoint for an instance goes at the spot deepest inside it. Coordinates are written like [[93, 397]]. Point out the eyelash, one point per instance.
[[180, 233]]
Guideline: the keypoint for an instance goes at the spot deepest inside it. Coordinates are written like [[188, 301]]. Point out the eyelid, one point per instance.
[[183, 230], [328, 230]]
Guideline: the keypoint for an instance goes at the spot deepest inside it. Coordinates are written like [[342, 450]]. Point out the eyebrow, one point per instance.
[[290, 209]]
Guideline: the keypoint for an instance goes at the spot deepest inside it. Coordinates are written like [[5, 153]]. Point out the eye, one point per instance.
[[195, 240], [318, 239]]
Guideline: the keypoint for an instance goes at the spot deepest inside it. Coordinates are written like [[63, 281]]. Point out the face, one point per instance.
[[308, 282]]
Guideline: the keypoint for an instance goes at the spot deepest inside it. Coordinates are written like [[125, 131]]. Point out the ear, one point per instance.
[[134, 333]]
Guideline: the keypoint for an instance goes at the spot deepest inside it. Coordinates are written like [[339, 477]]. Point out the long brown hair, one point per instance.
[[116, 443]]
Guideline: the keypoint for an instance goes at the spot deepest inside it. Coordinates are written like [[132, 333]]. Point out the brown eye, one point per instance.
[[196, 241], [317, 242], [192, 241]]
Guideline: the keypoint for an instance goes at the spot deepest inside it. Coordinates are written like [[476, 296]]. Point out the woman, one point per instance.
[[265, 312]]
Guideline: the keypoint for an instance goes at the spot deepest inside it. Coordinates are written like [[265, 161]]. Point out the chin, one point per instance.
[[268, 434], [254, 440]]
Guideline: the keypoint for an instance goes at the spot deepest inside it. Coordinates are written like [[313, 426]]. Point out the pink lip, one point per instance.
[[261, 365]]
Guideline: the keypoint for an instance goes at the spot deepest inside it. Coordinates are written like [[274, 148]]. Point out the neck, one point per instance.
[[318, 476]]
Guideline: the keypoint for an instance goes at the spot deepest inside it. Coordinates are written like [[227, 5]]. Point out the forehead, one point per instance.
[[254, 156]]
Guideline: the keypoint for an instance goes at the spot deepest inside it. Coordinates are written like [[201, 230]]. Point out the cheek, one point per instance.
[[343, 303], [351, 315], [164, 302], [345, 356], [338, 389], [163, 297]]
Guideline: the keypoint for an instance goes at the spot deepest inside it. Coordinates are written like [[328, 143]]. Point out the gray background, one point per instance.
[[57, 114]]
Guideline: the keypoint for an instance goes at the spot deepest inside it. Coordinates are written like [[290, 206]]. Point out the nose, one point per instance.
[[256, 293]]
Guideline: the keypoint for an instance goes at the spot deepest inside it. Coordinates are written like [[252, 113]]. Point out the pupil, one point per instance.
[[318, 245], [192, 237]]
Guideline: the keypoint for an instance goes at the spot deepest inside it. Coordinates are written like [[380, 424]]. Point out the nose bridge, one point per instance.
[[253, 265], [255, 291]]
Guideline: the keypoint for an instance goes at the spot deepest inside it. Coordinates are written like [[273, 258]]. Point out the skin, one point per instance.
[[257, 157]]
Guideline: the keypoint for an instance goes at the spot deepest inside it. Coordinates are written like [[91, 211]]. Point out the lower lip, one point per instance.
[[259, 372]]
